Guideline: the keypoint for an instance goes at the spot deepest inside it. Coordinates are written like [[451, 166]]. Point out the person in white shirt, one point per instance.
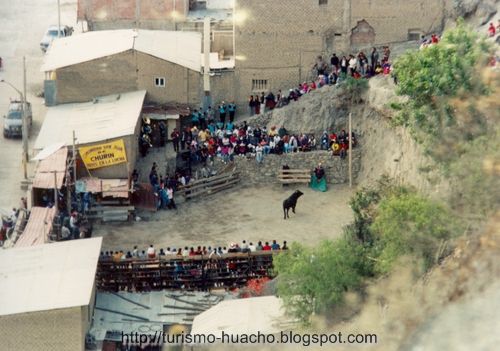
[[151, 252], [170, 194], [185, 252], [135, 252], [244, 246], [252, 248], [353, 63]]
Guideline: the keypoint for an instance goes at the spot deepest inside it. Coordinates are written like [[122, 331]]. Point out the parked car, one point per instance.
[[13, 122], [51, 34]]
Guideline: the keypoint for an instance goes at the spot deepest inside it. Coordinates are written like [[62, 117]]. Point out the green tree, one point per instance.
[[315, 279], [408, 224], [434, 79]]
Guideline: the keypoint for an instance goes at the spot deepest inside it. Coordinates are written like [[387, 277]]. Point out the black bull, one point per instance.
[[291, 202]]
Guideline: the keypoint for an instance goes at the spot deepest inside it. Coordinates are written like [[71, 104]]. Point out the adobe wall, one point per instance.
[[128, 71], [108, 75], [59, 329]]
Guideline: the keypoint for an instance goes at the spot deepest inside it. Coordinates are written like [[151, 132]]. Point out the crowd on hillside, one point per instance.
[[211, 251], [226, 141], [356, 65]]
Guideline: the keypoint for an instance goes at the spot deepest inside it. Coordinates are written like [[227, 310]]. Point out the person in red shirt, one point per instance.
[[492, 30], [266, 247], [434, 39]]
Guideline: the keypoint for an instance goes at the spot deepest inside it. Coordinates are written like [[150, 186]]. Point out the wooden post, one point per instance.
[[350, 150], [56, 195], [74, 158]]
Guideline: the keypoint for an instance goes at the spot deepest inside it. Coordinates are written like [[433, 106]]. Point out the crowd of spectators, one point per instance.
[[226, 141], [356, 65], [172, 252]]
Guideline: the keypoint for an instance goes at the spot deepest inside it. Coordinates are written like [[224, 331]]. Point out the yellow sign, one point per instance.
[[103, 155]]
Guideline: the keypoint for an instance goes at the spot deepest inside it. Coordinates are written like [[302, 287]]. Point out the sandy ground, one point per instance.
[[234, 215]]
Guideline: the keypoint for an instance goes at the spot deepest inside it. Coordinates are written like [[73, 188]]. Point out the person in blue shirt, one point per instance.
[[222, 112], [212, 127], [275, 245], [230, 126], [231, 109], [195, 118]]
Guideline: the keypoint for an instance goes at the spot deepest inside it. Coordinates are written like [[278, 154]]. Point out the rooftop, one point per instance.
[[48, 276], [182, 48], [105, 118]]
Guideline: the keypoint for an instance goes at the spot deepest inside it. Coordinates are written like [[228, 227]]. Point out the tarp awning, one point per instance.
[[108, 187], [38, 227], [47, 151], [55, 163]]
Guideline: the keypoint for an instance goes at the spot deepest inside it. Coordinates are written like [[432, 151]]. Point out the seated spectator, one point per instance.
[[275, 245], [233, 248], [244, 247], [266, 247], [252, 247], [151, 252], [284, 247]]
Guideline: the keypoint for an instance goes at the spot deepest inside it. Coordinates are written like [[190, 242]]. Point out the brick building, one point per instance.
[[48, 295], [165, 64], [276, 42]]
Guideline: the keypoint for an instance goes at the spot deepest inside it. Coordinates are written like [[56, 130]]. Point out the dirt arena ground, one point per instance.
[[253, 214]]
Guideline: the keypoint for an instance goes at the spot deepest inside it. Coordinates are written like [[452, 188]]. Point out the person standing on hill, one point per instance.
[[222, 112], [232, 110], [374, 58]]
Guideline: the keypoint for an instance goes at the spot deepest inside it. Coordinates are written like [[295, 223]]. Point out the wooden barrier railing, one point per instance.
[[209, 186], [289, 176], [190, 273]]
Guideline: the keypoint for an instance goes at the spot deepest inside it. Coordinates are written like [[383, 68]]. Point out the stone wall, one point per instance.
[[337, 170]]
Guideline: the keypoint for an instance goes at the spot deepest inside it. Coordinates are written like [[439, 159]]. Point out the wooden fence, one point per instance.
[[289, 176], [208, 186], [191, 273]]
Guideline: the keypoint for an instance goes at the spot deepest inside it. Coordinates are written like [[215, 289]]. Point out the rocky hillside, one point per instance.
[[385, 150]]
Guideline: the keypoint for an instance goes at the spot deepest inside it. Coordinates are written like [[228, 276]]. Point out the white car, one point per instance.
[[51, 34]]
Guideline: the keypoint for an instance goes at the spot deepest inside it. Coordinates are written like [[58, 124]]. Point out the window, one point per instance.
[[160, 82], [259, 84], [323, 2]]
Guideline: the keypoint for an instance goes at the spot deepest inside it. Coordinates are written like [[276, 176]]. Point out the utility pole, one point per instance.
[[206, 60], [58, 19], [234, 31], [25, 124], [74, 157], [56, 195], [350, 149]]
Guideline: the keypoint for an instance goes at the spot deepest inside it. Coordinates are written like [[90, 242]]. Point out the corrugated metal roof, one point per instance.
[[47, 151], [38, 228], [48, 277], [47, 180], [182, 48], [148, 312], [243, 316], [44, 176], [109, 117]]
